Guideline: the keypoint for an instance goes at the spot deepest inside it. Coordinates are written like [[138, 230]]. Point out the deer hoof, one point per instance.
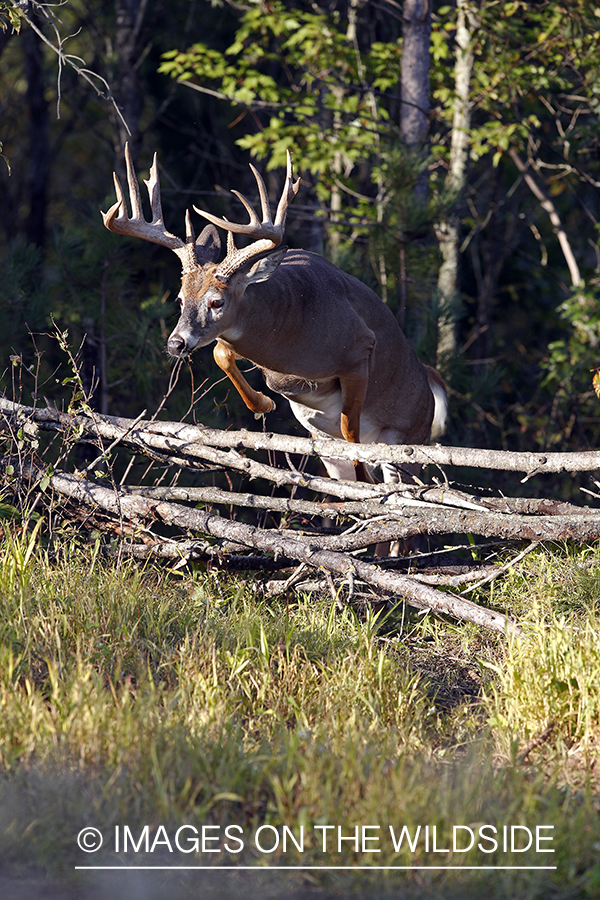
[[270, 408]]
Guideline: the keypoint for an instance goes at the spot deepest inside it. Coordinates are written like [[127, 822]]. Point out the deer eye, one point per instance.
[[215, 303]]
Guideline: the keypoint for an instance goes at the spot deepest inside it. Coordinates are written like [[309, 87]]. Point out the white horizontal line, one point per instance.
[[124, 868]]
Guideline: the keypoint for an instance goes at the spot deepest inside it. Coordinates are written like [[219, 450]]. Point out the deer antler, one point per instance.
[[267, 234], [117, 220]]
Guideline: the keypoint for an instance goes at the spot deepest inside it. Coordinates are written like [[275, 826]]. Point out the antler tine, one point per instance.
[[110, 218], [255, 228], [134, 188], [190, 236], [290, 189], [117, 219], [254, 220], [264, 197], [120, 204], [153, 188]]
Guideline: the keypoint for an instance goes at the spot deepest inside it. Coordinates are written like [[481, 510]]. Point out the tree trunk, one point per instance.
[[414, 130], [39, 150], [414, 90], [128, 47], [448, 230]]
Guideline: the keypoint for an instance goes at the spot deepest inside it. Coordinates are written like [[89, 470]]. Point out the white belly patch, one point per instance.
[[325, 419]]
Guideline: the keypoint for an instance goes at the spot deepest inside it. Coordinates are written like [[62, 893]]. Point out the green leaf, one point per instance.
[[10, 17], [6, 510]]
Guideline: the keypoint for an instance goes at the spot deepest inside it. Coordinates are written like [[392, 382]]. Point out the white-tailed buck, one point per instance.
[[322, 339]]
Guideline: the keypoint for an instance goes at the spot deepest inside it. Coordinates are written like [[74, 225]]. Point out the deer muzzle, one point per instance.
[[177, 345]]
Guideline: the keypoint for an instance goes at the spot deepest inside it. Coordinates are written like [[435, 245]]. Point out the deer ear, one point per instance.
[[265, 267], [208, 245]]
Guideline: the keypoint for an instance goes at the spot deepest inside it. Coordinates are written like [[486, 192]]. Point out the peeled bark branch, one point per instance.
[[578, 528], [186, 551], [195, 442], [396, 498], [137, 509], [543, 520]]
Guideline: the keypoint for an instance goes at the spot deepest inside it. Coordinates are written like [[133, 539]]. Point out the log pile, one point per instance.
[[180, 523]]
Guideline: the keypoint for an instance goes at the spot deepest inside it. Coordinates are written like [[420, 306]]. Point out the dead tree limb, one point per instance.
[[140, 509], [196, 436], [578, 528], [429, 498], [205, 551], [382, 502]]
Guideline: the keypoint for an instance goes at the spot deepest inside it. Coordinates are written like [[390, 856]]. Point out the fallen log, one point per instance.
[[204, 551], [111, 427], [357, 499], [140, 509], [579, 528], [427, 498]]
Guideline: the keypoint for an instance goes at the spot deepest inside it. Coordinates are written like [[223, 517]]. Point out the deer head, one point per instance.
[[210, 290]]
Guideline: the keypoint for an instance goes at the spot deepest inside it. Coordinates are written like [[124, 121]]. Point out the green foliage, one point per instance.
[[571, 361], [322, 68], [88, 290], [22, 300], [327, 96], [527, 53], [331, 98], [305, 77], [10, 17]]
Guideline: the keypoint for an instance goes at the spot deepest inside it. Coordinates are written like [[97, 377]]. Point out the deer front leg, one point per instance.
[[255, 401], [354, 391]]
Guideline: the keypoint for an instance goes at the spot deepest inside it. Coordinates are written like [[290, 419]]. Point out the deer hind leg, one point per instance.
[[255, 401], [354, 391], [393, 475]]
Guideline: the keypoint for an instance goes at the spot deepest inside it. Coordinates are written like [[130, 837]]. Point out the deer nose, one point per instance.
[[176, 345]]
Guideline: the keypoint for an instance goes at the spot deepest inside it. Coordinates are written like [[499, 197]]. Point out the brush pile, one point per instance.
[[293, 520]]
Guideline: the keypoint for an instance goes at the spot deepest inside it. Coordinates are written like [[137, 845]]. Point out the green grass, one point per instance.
[[132, 696]]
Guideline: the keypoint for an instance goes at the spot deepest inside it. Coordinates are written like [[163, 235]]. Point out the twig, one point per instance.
[[549, 207], [104, 455], [139, 509], [501, 569], [444, 580], [536, 742], [64, 59]]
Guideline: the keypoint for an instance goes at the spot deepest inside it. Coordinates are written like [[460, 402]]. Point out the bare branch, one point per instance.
[[549, 207], [196, 441], [499, 570], [137, 509], [69, 60]]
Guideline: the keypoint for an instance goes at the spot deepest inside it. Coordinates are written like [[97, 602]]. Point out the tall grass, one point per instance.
[[133, 696], [548, 682]]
